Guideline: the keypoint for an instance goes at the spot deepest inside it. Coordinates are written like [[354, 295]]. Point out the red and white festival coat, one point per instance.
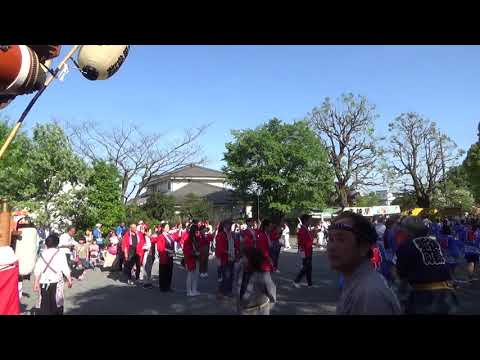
[[263, 243], [9, 296], [126, 243], [305, 241]]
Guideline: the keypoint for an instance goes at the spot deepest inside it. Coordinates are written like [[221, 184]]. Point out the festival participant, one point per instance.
[[248, 240], [132, 247], [472, 251], [66, 243], [205, 240], [275, 246], [164, 242], [111, 253], [380, 227], [49, 271], [88, 236], [286, 235], [120, 230], [421, 264], [93, 255], [82, 253], [260, 293], [191, 254], [148, 258], [305, 250], [225, 253], [264, 243], [365, 291], [97, 236]]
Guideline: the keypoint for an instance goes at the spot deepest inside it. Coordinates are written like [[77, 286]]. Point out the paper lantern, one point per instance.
[[100, 62]]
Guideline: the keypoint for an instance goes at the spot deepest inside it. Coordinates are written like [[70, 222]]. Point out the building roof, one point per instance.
[[212, 193], [189, 171]]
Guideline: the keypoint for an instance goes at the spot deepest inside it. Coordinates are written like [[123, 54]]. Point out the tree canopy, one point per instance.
[[284, 164]]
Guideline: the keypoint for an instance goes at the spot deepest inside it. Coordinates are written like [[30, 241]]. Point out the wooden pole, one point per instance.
[[15, 129]]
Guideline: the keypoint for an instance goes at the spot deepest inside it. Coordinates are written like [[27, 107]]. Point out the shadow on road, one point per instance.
[[120, 299]]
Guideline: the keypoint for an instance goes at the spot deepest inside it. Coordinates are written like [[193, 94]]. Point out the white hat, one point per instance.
[[140, 222], [98, 225]]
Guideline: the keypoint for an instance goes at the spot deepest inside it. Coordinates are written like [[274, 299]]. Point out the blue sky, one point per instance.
[[171, 88]]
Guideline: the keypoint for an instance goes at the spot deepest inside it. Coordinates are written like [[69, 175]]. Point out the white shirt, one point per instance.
[[380, 228], [59, 264], [66, 240], [114, 240], [286, 231]]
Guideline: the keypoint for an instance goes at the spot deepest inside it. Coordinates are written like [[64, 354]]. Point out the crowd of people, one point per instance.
[[387, 265]]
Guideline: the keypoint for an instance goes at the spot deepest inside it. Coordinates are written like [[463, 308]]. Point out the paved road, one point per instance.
[[107, 293]]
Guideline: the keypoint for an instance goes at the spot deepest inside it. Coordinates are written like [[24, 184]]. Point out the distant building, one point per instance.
[[193, 179]]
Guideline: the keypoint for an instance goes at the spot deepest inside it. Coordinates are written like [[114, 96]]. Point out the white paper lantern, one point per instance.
[[100, 62]]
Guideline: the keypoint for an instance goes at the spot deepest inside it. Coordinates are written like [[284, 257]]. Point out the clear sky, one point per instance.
[[171, 88]]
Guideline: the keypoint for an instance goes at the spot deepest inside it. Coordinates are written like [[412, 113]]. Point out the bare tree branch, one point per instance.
[[417, 156], [139, 157], [347, 132]]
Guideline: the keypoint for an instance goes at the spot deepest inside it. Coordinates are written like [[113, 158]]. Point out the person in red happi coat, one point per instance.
[[191, 253], [164, 241], [132, 246], [264, 243], [205, 239], [305, 250], [225, 254]]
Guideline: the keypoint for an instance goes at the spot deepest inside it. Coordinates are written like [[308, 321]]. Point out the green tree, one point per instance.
[[406, 200], [471, 166], [104, 196], [14, 169], [370, 199], [195, 206], [135, 213], [454, 198], [55, 171], [284, 164], [160, 206]]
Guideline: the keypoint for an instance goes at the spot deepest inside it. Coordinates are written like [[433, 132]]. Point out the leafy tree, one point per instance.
[[347, 131], [454, 198], [160, 206], [104, 196], [195, 206], [55, 171], [421, 155], [370, 199], [14, 169], [471, 165], [406, 200], [284, 164], [135, 213]]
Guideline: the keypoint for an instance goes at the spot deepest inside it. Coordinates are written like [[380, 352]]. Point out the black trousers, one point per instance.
[[165, 272], [306, 270], [48, 305], [133, 260]]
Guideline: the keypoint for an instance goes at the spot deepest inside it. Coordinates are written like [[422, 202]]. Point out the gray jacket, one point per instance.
[[366, 292], [260, 295]]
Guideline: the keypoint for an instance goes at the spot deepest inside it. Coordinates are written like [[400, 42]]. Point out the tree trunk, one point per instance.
[[342, 192], [424, 201]]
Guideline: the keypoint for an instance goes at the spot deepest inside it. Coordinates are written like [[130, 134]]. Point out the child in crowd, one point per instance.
[[93, 250], [82, 250]]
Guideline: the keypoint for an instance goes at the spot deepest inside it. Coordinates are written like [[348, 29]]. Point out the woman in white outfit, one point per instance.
[[286, 236]]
